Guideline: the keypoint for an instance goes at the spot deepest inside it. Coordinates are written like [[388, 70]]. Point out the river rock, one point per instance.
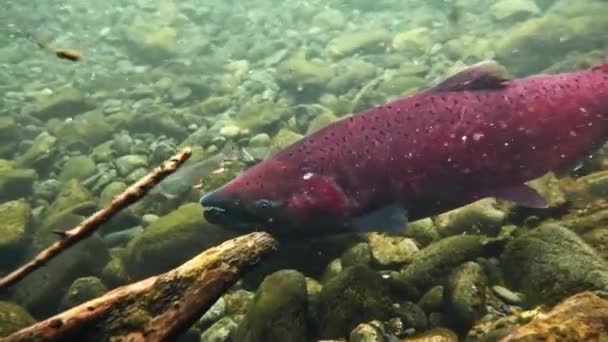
[[353, 42], [15, 182], [581, 317], [279, 310], [432, 264], [15, 228], [220, 331], [171, 240], [389, 250], [465, 295], [127, 164], [64, 103], [13, 317], [481, 217], [82, 290], [550, 263], [356, 295], [79, 167], [515, 10]]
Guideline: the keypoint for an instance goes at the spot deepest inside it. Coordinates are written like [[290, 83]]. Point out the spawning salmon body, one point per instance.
[[474, 135]]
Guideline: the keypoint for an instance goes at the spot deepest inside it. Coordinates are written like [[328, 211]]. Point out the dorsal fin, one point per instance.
[[482, 75]]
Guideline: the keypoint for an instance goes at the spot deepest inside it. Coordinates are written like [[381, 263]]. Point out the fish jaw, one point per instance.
[[223, 210]]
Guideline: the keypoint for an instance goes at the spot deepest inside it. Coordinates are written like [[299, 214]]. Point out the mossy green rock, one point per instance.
[[83, 259], [353, 42], [66, 102], [15, 228], [539, 42], [79, 167], [432, 264], [84, 132], [598, 239], [220, 331], [481, 217], [465, 296], [74, 197], [278, 311], [356, 295], [320, 121], [260, 115], [13, 317], [298, 71], [550, 263], [40, 152], [213, 105], [15, 182], [171, 240], [284, 138], [352, 74], [82, 290]]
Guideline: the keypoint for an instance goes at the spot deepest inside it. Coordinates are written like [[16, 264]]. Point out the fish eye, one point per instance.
[[265, 204]]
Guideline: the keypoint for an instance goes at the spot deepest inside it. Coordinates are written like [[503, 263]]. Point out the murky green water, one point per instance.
[[94, 95]]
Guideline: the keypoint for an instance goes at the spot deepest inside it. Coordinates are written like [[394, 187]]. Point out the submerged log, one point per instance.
[[582, 317], [159, 308]]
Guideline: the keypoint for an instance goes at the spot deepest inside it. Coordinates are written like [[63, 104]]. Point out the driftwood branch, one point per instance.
[[68, 238], [159, 308]]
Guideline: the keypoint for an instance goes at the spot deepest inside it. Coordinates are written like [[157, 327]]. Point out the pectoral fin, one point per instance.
[[521, 194], [391, 219]]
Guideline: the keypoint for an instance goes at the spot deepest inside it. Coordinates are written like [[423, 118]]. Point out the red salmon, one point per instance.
[[477, 134]]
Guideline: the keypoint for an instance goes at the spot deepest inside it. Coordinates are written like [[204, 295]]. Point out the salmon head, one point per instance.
[[279, 197]]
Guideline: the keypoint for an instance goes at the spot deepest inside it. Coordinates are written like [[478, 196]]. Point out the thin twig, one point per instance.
[[68, 238]]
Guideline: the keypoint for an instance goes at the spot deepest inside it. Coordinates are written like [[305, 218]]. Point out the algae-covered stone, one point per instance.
[[84, 132], [351, 73], [367, 332], [432, 300], [353, 42], [213, 105], [238, 302], [15, 228], [110, 191], [83, 259], [13, 317], [514, 9], [79, 167], [171, 240], [15, 182], [66, 102], [423, 231], [283, 139], [433, 335], [320, 121], [329, 18], [152, 42], [537, 43], [551, 262], [433, 264], [465, 295], [278, 311], [359, 254], [73, 197], [127, 164], [82, 290], [416, 40], [40, 152], [598, 239], [298, 72], [356, 295], [220, 331], [481, 217], [114, 273], [391, 250], [260, 115]]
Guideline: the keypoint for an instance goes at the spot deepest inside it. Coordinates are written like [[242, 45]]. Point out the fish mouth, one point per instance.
[[226, 213]]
